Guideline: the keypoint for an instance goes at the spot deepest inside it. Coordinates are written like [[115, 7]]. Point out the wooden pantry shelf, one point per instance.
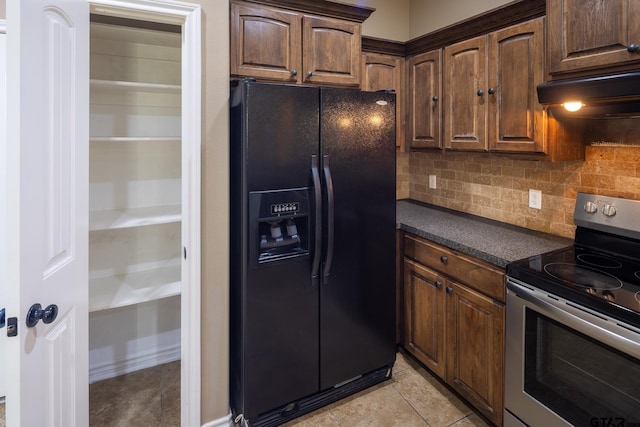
[[135, 139], [134, 217], [133, 288], [135, 86]]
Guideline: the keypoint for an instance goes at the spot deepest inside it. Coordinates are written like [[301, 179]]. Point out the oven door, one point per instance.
[[565, 365]]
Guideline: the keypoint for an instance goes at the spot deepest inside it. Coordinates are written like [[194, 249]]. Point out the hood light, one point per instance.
[[381, 102], [572, 105]]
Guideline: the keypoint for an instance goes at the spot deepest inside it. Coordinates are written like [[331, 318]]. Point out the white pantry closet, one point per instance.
[[135, 193]]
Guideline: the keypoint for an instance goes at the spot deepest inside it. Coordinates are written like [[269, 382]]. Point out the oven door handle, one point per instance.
[[596, 326]]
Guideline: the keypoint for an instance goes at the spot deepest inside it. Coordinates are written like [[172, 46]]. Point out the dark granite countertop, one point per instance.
[[492, 241]]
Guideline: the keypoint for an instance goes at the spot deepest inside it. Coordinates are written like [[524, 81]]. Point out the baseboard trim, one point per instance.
[[220, 422], [132, 364]]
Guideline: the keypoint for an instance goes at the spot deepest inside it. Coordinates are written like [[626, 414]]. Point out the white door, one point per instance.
[[3, 202], [47, 176]]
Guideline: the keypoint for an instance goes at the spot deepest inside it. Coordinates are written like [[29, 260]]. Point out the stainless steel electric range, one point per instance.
[[572, 353]]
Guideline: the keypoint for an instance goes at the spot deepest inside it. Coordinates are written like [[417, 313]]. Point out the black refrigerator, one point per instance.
[[312, 247]]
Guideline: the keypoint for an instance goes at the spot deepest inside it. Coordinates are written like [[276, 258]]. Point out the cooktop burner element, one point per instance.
[[599, 261], [581, 276], [601, 271]]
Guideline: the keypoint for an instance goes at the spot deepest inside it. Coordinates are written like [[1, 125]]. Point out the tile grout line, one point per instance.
[[412, 407], [404, 398]]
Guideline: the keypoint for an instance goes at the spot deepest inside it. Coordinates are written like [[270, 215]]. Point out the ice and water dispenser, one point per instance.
[[279, 225]]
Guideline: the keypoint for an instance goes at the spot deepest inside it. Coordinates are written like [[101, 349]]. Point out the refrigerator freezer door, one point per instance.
[[357, 296], [274, 305]]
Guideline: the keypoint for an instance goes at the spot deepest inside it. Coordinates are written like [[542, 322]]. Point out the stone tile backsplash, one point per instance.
[[497, 187]]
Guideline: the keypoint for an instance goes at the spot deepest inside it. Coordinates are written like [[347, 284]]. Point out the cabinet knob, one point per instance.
[[309, 73], [491, 91], [480, 92], [449, 290], [444, 259], [633, 48], [438, 284], [435, 98], [294, 73]]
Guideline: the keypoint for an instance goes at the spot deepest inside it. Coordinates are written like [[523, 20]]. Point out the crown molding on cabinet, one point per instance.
[[387, 47], [324, 8], [495, 19]]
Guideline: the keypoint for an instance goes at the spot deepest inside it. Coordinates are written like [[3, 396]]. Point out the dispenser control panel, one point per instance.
[[285, 208]]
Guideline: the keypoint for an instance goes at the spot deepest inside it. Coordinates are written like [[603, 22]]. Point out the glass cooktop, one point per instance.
[[602, 282]]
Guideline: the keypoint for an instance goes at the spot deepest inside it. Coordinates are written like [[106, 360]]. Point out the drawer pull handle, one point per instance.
[[443, 259], [438, 284], [449, 290]]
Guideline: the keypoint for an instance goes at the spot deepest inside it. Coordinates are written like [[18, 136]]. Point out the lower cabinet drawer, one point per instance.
[[477, 274]]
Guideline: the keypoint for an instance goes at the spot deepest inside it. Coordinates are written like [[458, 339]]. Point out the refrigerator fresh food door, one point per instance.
[[357, 291], [274, 336]]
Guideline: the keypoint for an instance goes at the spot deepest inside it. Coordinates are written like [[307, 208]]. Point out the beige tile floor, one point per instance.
[[413, 397]]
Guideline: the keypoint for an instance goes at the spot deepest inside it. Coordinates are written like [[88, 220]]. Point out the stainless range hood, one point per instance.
[[605, 96]]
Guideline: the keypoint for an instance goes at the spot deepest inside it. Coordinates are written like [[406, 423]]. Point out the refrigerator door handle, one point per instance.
[[315, 267], [330, 209]]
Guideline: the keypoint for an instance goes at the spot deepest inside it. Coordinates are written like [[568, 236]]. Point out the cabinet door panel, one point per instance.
[[591, 34], [424, 316], [465, 114], [331, 51], [265, 43], [516, 68], [425, 83], [381, 72], [475, 333]]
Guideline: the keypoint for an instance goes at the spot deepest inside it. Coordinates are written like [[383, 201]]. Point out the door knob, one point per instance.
[[36, 313]]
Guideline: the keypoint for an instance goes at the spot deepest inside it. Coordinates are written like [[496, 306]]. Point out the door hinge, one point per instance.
[[12, 327]]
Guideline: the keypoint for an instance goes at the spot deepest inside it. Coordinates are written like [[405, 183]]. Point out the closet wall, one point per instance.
[[134, 197]]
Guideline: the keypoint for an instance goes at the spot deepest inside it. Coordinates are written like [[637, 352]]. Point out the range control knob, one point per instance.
[[590, 207], [609, 210]]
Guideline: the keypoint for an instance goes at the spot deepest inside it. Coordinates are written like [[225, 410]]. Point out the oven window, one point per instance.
[[582, 380]]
